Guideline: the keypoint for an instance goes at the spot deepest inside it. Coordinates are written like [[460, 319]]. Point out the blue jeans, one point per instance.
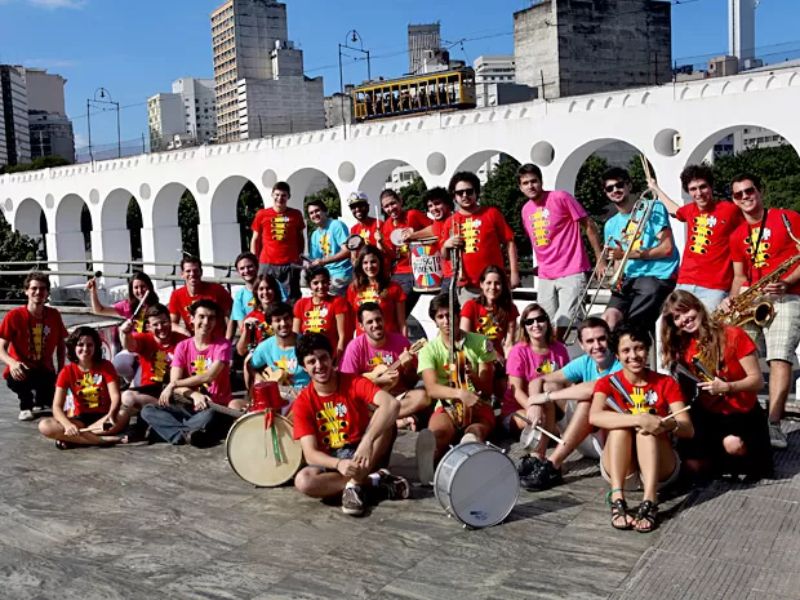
[[173, 423], [708, 296]]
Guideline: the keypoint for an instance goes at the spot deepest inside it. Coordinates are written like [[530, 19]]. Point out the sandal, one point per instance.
[[647, 512], [62, 445], [619, 510]]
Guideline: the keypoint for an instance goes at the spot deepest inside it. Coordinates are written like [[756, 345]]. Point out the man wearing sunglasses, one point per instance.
[[480, 232], [553, 221], [706, 269], [758, 247], [649, 274]]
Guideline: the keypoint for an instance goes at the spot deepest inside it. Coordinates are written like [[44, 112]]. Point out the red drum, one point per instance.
[[426, 265], [266, 395]]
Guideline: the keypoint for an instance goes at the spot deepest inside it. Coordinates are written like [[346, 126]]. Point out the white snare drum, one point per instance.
[[477, 484], [251, 450], [426, 265]]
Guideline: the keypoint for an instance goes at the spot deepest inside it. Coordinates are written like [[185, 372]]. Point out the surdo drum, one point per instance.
[[426, 265], [476, 484], [261, 455]]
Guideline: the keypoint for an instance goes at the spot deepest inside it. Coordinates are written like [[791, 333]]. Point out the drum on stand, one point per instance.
[[251, 450], [476, 484], [426, 265]]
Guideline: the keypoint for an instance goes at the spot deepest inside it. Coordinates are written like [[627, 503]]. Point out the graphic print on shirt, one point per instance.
[[161, 365], [288, 365], [89, 389], [470, 231], [39, 333], [332, 421], [139, 320], [200, 365], [325, 245], [364, 234], [540, 225], [381, 358], [488, 326], [316, 319], [643, 401], [628, 233], [762, 254], [278, 227], [369, 295], [548, 366], [702, 232]]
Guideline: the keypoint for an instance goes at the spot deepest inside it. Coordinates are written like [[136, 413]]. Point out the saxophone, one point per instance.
[[753, 304]]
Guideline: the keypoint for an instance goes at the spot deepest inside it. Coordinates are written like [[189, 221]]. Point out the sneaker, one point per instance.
[[353, 501], [426, 447], [543, 478], [529, 464], [38, 410], [199, 438], [25, 415], [393, 487], [470, 438], [777, 438]]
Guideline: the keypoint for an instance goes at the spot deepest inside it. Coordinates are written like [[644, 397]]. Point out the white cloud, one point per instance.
[[58, 3]]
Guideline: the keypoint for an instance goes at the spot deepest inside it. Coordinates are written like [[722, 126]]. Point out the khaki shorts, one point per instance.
[[559, 297], [782, 335], [633, 481]]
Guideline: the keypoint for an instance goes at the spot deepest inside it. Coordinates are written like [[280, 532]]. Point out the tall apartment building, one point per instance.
[[51, 130], [258, 73], [14, 98], [581, 46], [495, 82], [184, 117], [422, 41], [165, 120]]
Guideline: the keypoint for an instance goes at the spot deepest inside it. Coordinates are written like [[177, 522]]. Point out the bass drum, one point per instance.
[[251, 450], [476, 484]]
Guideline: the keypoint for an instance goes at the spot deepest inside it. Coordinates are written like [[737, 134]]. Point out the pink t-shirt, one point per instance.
[[552, 225], [196, 362], [526, 364], [360, 357]]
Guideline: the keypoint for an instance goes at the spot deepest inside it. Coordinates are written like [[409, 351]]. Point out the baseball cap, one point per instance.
[[357, 198]]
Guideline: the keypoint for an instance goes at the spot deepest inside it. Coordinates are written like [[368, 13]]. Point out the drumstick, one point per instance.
[[106, 426], [552, 436], [677, 412]]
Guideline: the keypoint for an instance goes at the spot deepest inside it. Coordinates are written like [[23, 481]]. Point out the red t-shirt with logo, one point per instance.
[[281, 235], [321, 318], [774, 247], [386, 299], [181, 301], [260, 332], [155, 357], [485, 322], [412, 219], [706, 256], [87, 392], [441, 237], [737, 345], [30, 340], [484, 232], [366, 230], [338, 419], [654, 397]]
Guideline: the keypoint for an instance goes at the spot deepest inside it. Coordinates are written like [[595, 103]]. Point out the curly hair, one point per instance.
[[74, 338], [710, 335]]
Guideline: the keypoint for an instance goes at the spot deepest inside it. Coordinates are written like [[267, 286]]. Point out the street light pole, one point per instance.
[[351, 36], [103, 93]]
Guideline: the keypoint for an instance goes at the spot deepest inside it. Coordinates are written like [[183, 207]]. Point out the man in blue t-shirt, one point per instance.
[[328, 247], [650, 272], [277, 352], [243, 302], [576, 383]]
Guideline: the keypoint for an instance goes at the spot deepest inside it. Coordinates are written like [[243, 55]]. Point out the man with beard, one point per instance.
[[182, 299], [277, 352]]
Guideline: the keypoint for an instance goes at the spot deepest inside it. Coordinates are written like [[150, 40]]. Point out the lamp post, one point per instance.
[[352, 36], [101, 98]]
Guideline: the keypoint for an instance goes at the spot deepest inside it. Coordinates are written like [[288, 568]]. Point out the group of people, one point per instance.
[[356, 377]]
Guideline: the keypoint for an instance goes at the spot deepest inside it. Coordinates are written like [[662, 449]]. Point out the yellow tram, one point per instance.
[[444, 90]]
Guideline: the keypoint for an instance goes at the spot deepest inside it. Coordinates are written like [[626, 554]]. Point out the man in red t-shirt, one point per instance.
[[29, 335], [345, 448], [440, 207], [278, 240], [706, 269], [758, 247], [181, 300], [395, 230]]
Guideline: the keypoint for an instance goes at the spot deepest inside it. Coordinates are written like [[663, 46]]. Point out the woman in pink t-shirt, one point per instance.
[[140, 286]]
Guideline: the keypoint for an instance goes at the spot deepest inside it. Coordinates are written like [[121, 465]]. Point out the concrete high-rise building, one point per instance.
[[742, 31], [51, 130], [165, 120], [199, 104], [14, 98], [422, 40], [573, 47], [495, 82], [258, 73]]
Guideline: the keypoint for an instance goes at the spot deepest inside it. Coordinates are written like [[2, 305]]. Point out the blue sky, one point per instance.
[[135, 48]]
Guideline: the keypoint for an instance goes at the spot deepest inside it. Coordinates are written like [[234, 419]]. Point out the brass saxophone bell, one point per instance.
[[763, 314]]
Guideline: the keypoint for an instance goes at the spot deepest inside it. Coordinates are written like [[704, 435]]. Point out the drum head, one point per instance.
[[529, 437], [479, 490], [251, 450], [396, 237], [354, 242]]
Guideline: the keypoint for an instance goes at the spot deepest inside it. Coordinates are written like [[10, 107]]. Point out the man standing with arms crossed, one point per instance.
[[553, 221], [278, 240]]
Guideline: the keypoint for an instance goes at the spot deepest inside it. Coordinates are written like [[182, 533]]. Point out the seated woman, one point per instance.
[[372, 283], [731, 435], [255, 327], [321, 312], [635, 406], [87, 398]]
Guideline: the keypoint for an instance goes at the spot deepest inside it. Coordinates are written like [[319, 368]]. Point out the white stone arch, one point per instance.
[[568, 170], [223, 230], [482, 158], [113, 236], [28, 219], [161, 234], [67, 243], [374, 180], [307, 181], [700, 151]]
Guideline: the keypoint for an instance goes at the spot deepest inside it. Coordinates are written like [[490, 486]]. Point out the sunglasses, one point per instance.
[[531, 320], [466, 192], [620, 185], [748, 191]]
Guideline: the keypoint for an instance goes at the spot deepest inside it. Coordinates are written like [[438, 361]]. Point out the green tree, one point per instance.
[[134, 223], [14, 246], [502, 191], [43, 162], [412, 193], [188, 220], [247, 205], [589, 188]]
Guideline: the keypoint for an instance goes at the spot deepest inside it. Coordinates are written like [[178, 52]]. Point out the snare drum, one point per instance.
[[426, 264], [477, 484], [251, 450]]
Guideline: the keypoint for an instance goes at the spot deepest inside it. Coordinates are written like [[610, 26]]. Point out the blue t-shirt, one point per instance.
[[328, 241], [660, 268], [269, 354], [584, 368], [243, 303]]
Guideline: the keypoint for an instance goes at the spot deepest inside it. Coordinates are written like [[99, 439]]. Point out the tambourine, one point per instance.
[[397, 237], [354, 243]]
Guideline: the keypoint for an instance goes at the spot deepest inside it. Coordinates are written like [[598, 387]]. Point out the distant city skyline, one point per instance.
[[134, 50]]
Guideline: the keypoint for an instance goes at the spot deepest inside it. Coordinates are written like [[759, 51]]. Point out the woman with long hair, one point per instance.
[[493, 313], [731, 435], [140, 287], [372, 283], [254, 328]]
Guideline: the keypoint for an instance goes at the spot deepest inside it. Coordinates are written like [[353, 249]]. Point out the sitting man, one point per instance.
[[571, 388], [182, 299], [277, 353], [460, 409], [200, 372], [384, 358], [155, 347], [345, 447]]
